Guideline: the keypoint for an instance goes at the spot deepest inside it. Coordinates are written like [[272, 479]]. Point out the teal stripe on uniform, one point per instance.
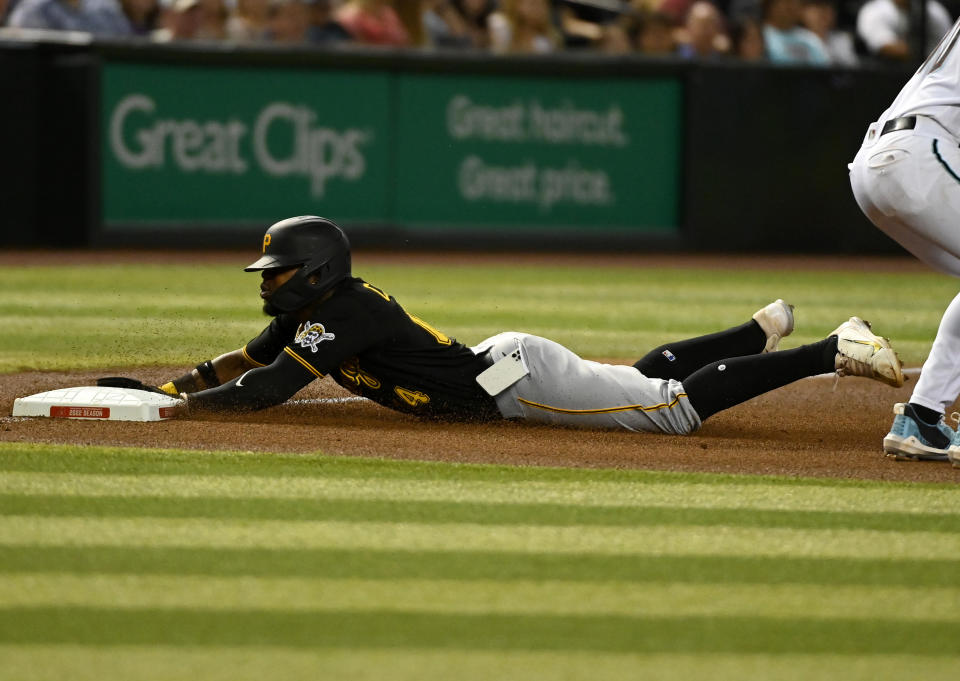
[[936, 152]]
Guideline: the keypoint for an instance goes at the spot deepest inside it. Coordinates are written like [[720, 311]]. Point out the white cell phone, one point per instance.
[[505, 372]]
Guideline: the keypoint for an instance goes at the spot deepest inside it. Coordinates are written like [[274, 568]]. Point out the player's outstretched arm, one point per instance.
[[255, 389], [210, 374]]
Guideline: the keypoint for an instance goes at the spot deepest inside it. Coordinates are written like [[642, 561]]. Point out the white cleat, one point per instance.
[[860, 352], [776, 320], [954, 456]]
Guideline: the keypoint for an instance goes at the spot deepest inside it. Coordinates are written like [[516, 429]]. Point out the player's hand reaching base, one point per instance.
[[129, 383]]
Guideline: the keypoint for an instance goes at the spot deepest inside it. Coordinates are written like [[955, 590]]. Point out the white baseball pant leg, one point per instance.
[[908, 184], [563, 389]]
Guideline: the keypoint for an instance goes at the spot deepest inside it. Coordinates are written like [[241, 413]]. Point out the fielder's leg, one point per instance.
[[919, 431], [681, 359], [939, 382], [894, 183]]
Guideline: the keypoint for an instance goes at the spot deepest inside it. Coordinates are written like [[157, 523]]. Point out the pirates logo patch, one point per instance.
[[310, 335]]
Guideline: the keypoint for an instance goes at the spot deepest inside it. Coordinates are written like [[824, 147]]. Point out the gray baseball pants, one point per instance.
[[564, 389]]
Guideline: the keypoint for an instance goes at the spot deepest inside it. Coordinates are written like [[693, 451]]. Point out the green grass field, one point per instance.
[[136, 564], [72, 317], [128, 564]]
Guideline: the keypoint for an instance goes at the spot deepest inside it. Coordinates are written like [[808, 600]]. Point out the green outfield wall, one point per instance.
[[220, 146], [193, 145]]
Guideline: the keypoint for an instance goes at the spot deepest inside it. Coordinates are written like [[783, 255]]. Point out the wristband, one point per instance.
[[208, 374]]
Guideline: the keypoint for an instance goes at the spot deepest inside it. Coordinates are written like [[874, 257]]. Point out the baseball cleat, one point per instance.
[[913, 439], [776, 320], [860, 352]]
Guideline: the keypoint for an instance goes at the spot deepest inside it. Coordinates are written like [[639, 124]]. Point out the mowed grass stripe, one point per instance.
[[544, 597], [580, 483], [379, 629], [32, 662], [680, 492], [449, 512], [720, 540], [467, 565]]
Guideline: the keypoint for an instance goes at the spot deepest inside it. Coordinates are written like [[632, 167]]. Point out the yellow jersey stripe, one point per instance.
[[304, 362], [249, 358], [605, 410], [380, 293]]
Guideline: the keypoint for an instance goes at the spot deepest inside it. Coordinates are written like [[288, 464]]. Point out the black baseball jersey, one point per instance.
[[369, 344]]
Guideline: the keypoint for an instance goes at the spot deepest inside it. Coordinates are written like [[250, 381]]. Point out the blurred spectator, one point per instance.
[[442, 26], [289, 22], [476, 15], [618, 36], [373, 22], [746, 40], [181, 21], [655, 35], [703, 35], [820, 16], [884, 27], [143, 15], [785, 41], [639, 29], [462, 24], [410, 13], [249, 20], [738, 10], [100, 17], [523, 26], [677, 10], [579, 26], [213, 20], [324, 28]]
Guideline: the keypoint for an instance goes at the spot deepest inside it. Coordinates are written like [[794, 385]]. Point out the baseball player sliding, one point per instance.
[[327, 322], [906, 179]]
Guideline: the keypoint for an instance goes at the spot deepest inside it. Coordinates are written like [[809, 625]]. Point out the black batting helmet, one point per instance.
[[318, 246]]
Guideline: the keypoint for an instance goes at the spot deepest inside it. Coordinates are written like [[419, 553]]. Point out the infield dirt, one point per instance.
[[807, 429]]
